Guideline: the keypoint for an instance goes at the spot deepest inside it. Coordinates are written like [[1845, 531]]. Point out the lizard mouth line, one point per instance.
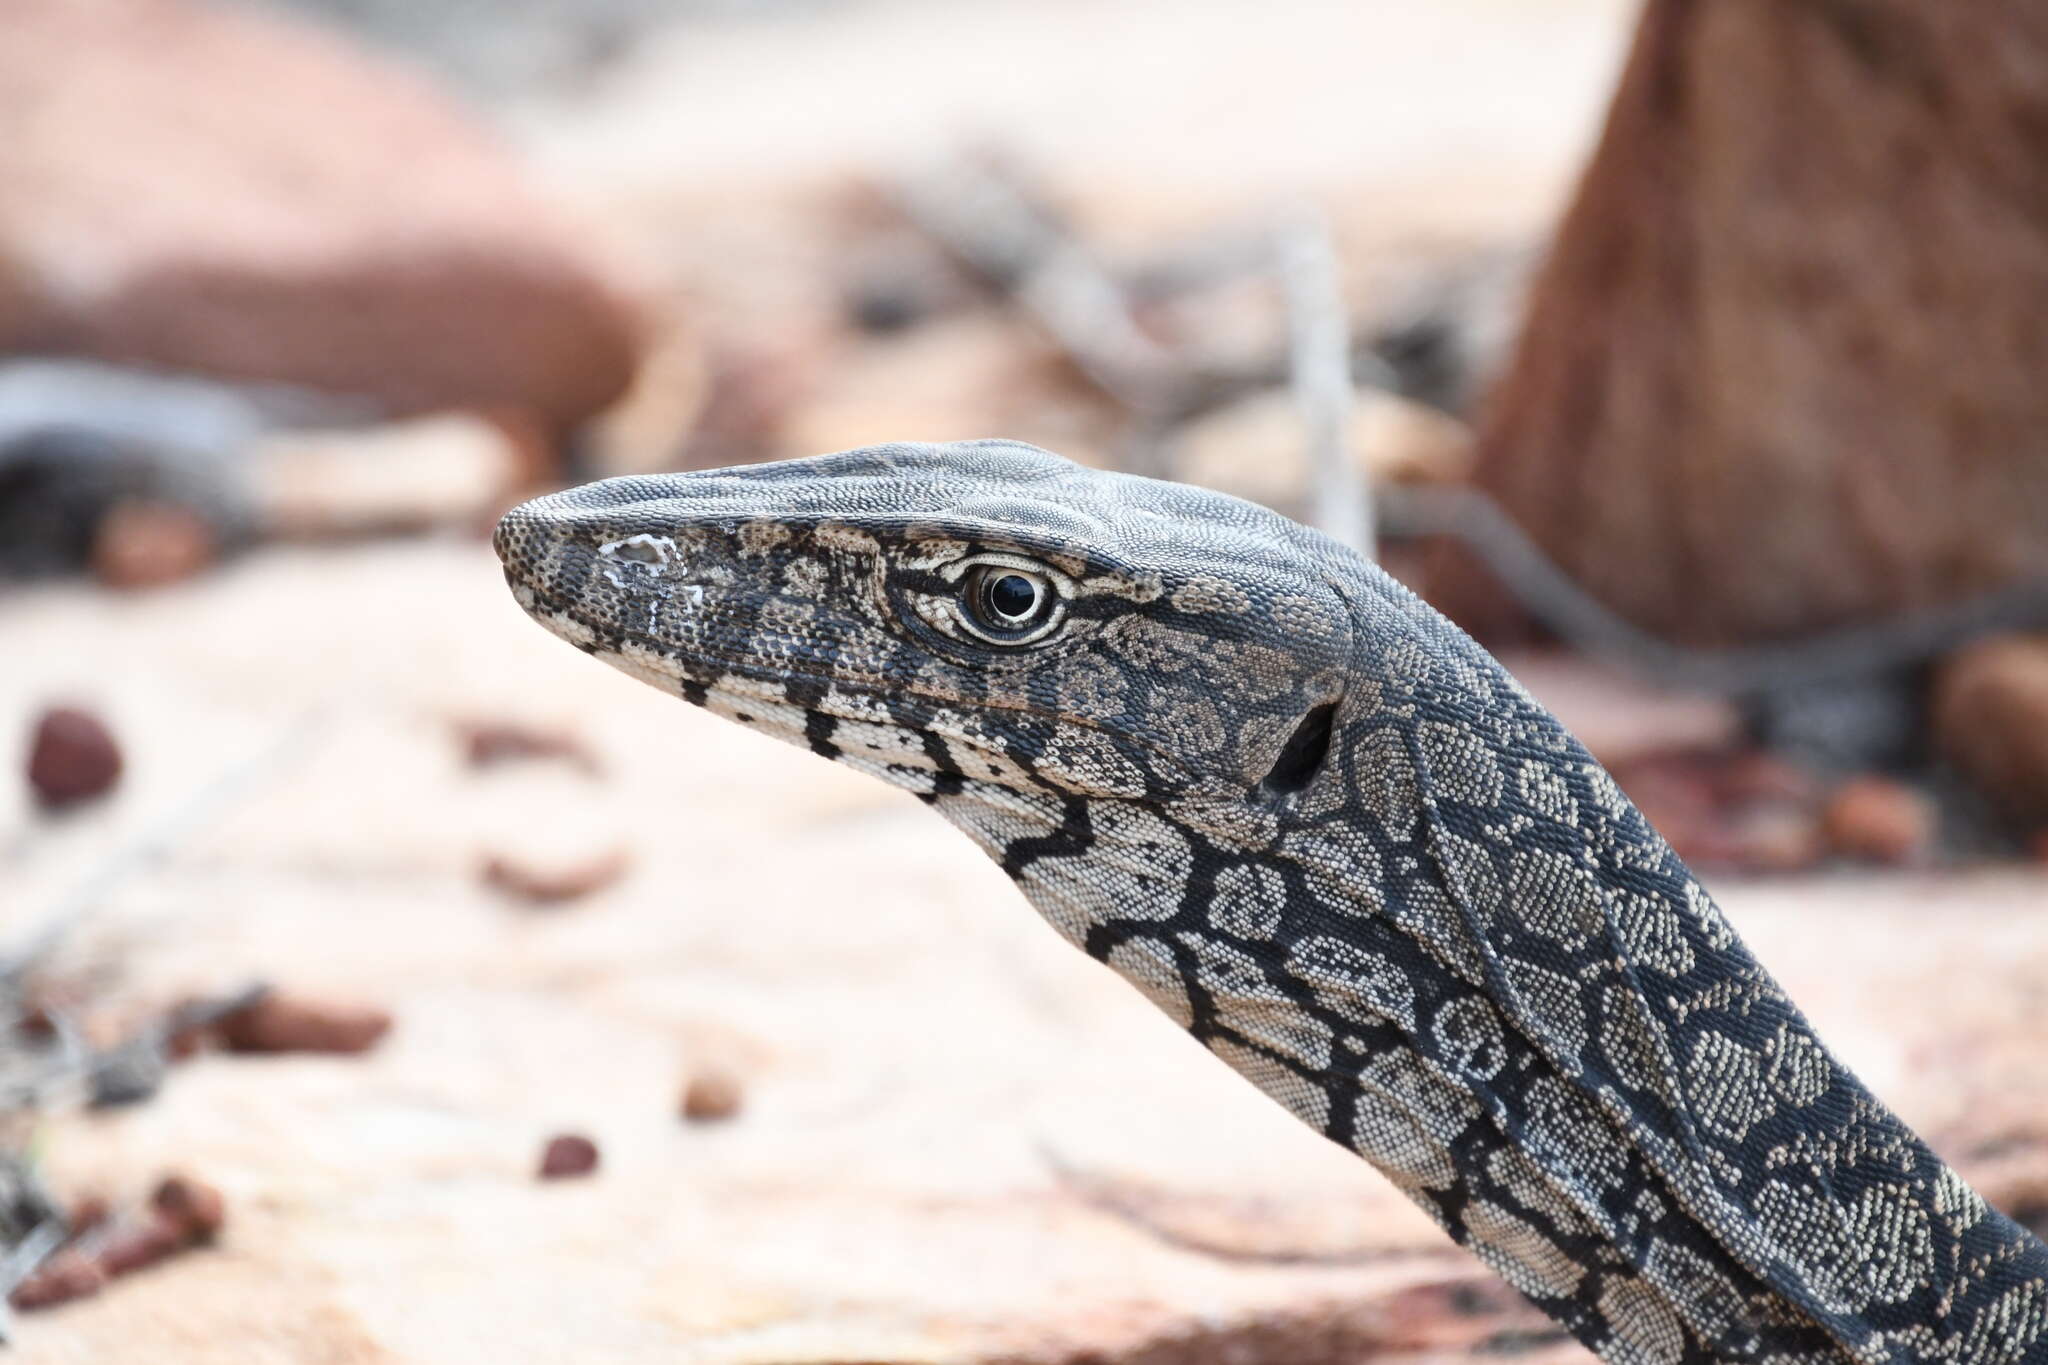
[[707, 667], [703, 666]]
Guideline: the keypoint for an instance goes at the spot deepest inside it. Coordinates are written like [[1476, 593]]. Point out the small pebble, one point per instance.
[[568, 1155], [712, 1095], [1879, 820], [72, 758], [191, 1207], [277, 1023]]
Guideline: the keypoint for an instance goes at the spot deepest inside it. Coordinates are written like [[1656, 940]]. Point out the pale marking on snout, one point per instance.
[[656, 554], [658, 558]]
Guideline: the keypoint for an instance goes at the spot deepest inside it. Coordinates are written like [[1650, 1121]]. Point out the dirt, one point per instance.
[[922, 1058]]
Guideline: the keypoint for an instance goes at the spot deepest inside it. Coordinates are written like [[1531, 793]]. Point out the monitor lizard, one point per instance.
[[1327, 833]]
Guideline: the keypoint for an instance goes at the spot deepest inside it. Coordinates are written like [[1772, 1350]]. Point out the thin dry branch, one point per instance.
[[1012, 239], [1319, 348]]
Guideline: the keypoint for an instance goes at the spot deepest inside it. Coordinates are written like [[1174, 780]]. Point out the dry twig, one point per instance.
[[1320, 359]]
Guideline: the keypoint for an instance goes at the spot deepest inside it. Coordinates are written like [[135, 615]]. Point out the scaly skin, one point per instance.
[[1327, 833]]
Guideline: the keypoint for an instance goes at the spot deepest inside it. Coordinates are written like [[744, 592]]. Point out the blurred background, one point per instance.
[[381, 981]]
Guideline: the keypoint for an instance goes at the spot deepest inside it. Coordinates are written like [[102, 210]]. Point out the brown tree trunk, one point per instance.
[[1787, 364]]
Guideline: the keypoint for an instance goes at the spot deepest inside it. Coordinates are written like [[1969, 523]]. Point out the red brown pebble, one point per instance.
[[191, 1208], [711, 1096], [568, 1155], [146, 545], [487, 743], [72, 758], [65, 1276], [1990, 719], [277, 1023], [1878, 820]]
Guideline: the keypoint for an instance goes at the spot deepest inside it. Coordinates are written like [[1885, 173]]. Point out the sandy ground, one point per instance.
[[921, 1057], [1219, 102]]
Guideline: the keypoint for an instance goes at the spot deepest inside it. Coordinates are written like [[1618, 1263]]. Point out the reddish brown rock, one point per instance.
[[276, 1023], [212, 189], [1990, 718], [712, 1095], [1874, 819], [192, 1208], [567, 1155], [72, 758]]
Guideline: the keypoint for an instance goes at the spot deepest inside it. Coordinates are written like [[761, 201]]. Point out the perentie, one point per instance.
[[1326, 832]]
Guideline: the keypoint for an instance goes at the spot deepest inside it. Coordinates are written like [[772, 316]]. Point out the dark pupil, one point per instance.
[[1013, 596]]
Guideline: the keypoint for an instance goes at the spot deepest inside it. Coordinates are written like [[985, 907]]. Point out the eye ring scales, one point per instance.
[[1009, 600]]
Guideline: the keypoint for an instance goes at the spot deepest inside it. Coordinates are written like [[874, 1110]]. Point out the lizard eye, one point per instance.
[[1008, 604]]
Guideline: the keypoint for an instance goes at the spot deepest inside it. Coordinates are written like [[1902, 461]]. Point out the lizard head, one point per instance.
[[1057, 658]]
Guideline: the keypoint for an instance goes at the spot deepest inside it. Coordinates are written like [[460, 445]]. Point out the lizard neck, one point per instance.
[[1557, 1046]]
